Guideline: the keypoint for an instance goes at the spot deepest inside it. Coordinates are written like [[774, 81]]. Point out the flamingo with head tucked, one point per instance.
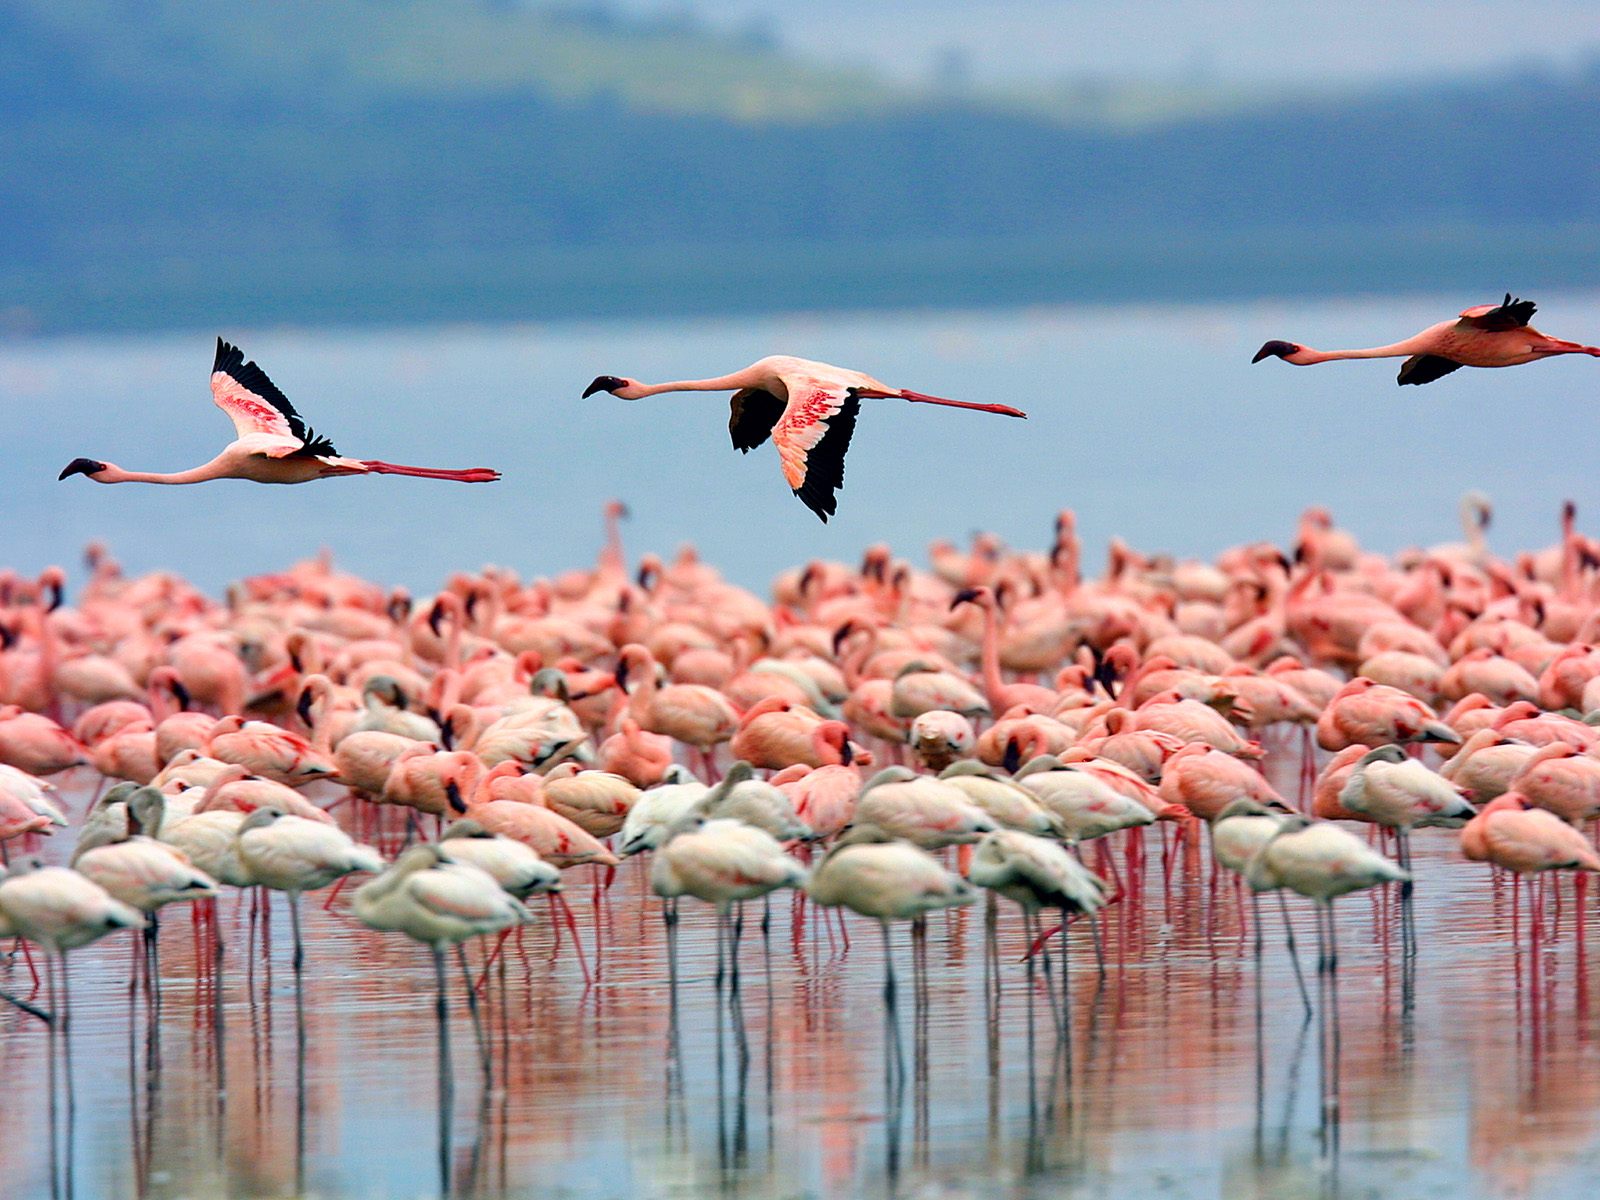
[[807, 408], [275, 445], [1486, 335]]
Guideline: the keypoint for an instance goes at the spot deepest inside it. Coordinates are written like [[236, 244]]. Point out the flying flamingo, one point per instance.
[[1486, 335], [808, 409], [275, 445]]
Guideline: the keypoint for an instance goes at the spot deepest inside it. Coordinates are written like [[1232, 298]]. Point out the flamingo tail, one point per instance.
[[470, 475]]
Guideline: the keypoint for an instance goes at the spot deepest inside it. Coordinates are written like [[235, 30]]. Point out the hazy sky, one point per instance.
[[1246, 40]]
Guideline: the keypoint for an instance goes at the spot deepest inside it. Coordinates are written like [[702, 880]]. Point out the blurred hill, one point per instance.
[[167, 162]]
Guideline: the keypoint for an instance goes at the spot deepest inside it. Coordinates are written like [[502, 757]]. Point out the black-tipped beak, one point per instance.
[[603, 383], [435, 615], [964, 596], [81, 466], [447, 733], [56, 596], [847, 753], [454, 794], [1013, 757], [302, 706], [840, 634], [621, 675], [1275, 349], [181, 695]]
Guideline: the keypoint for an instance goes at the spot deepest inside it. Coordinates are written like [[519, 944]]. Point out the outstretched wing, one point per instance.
[[754, 412], [1508, 314], [812, 437], [255, 405], [1425, 368]]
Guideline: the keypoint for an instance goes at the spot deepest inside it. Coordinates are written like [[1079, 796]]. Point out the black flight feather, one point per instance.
[[1425, 368], [753, 413], [1511, 314], [230, 361], [825, 462]]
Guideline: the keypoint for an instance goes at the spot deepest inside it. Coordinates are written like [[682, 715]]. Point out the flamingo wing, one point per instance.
[[812, 437], [256, 406], [1508, 314], [754, 411], [1425, 368]]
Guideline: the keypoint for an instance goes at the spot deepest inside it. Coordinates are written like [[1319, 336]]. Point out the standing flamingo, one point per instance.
[[808, 409], [1486, 335], [275, 445]]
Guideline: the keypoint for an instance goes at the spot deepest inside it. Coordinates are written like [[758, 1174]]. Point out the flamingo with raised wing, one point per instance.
[[807, 408], [1486, 335], [275, 445]]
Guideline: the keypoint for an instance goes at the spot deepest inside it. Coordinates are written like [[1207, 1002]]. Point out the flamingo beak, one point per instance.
[[604, 383], [81, 466], [454, 794], [1013, 757], [847, 754], [181, 695], [964, 596], [302, 706], [435, 615], [1275, 349]]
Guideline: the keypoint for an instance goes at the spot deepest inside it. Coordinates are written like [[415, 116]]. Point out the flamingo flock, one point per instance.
[[875, 738]]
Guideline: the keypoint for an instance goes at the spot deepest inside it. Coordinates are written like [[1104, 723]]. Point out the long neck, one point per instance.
[[1410, 346], [992, 683], [215, 469], [722, 383]]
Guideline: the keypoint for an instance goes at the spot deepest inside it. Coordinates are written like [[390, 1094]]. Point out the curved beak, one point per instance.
[[964, 596], [1275, 349], [1013, 757], [81, 466], [603, 383], [454, 794], [302, 706]]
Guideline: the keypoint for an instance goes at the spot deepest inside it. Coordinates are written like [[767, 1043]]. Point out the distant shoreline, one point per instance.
[[710, 281]]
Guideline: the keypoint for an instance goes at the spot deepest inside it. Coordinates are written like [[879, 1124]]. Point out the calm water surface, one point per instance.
[[1149, 420], [1480, 1077]]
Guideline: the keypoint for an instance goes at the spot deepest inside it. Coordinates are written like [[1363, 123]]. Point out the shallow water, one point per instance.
[[1148, 419], [1477, 1077]]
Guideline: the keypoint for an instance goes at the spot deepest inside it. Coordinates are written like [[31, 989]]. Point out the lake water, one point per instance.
[[1150, 421], [1477, 1076]]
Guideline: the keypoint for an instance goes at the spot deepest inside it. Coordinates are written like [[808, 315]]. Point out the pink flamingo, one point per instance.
[[275, 445], [807, 408], [1486, 335]]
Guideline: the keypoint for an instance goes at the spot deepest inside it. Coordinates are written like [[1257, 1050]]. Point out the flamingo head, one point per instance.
[[83, 466], [1277, 349], [623, 389]]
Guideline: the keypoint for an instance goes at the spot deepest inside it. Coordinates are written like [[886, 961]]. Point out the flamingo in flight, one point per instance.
[[275, 445], [1486, 335], [807, 408]]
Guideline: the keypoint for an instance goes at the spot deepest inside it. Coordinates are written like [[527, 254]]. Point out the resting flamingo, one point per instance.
[[807, 408], [1486, 335], [275, 445]]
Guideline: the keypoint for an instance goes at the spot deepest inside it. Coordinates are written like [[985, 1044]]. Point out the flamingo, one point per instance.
[[439, 902], [60, 910], [1035, 873], [722, 862], [1486, 335], [807, 408], [877, 876], [658, 810], [274, 443], [1322, 862], [925, 811]]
